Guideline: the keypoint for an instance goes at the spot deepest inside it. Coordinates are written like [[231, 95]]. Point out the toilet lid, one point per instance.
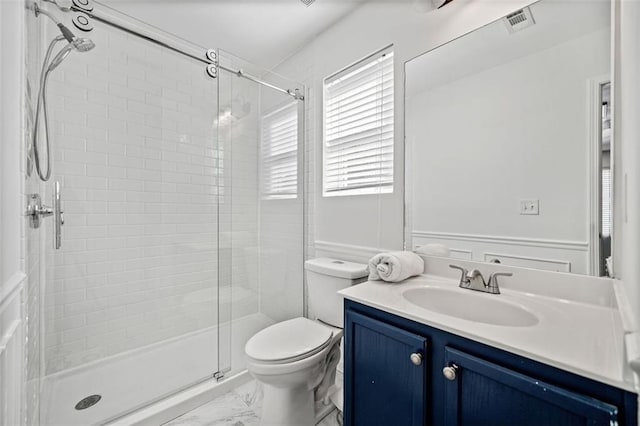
[[288, 339]]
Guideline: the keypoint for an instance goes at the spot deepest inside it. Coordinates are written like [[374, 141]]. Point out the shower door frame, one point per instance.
[[209, 57]]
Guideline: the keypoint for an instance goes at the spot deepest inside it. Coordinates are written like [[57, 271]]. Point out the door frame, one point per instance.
[[13, 279], [594, 124]]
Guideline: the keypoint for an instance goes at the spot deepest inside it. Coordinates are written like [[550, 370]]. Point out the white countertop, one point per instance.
[[582, 338]]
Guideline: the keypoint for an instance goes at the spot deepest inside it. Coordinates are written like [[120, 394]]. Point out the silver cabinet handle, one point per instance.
[[416, 358], [58, 216], [450, 372]]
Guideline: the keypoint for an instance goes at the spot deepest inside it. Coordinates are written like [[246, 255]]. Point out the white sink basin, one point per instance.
[[470, 305]]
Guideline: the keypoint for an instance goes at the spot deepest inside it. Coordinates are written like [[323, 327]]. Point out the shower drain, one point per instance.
[[87, 402]]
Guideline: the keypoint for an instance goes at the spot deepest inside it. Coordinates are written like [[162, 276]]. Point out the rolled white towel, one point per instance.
[[434, 249], [395, 266]]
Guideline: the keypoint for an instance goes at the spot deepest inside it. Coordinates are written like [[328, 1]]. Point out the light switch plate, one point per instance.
[[530, 207]]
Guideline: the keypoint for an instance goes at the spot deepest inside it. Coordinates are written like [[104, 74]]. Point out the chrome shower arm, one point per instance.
[[63, 29], [64, 6], [38, 10]]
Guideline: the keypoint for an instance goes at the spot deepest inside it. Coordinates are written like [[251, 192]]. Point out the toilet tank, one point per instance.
[[325, 277]]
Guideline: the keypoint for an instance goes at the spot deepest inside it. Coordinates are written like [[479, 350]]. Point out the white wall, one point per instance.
[[13, 280], [370, 221], [627, 150], [10, 67], [480, 144]]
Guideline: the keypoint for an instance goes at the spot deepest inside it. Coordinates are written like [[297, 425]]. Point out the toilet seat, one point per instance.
[[288, 341]]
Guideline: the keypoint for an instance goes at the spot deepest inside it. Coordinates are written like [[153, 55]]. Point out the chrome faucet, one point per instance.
[[473, 280]]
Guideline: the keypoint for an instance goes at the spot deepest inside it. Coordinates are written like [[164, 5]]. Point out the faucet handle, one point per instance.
[[493, 280], [463, 273]]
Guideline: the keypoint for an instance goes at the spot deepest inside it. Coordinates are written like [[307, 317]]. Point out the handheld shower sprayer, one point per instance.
[[79, 44], [74, 43]]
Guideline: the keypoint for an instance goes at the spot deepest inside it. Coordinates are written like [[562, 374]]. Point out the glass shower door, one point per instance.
[[131, 298], [260, 132]]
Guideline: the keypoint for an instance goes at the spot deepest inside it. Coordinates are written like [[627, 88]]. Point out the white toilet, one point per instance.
[[295, 360]]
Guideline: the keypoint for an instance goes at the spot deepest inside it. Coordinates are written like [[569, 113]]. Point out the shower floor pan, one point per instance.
[[130, 381]]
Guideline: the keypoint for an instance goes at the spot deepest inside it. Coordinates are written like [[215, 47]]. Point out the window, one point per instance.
[[279, 152], [358, 128]]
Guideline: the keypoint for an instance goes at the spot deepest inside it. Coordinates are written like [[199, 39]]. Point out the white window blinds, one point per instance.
[[279, 152], [358, 128]]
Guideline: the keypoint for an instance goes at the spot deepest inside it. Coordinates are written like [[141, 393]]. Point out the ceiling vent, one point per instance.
[[519, 20], [307, 2]]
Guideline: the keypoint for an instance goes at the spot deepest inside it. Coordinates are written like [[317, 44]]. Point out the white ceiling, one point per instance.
[[264, 32], [491, 45]]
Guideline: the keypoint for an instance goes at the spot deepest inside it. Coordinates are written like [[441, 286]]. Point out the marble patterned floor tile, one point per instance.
[[251, 393], [239, 407], [330, 419], [226, 410]]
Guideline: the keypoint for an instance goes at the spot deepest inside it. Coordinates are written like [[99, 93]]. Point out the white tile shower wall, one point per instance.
[[135, 149], [372, 221]]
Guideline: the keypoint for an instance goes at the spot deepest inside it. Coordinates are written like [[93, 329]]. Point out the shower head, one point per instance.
[[83, 44], [79, 44]]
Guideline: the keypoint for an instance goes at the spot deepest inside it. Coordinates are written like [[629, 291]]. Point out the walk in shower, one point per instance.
[[180, 176]]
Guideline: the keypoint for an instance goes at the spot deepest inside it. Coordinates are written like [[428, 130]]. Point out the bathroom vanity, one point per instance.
[[513, 359], [508, 163]]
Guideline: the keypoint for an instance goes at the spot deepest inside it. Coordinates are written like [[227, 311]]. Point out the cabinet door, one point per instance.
[[384, 384], [483, 393]]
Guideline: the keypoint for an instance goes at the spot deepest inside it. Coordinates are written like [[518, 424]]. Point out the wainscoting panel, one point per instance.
[[549, 255], [11, 357], [529, 262], [458, 253]]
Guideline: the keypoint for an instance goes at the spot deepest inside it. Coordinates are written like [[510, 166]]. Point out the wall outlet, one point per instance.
[[530, 207]]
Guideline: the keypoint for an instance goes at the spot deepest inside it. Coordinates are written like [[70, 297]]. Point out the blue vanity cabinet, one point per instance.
[[387, 366], [483, 393], [489, 386]]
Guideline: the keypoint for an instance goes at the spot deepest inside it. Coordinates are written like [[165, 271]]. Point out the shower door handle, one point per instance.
[[58, 216]]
